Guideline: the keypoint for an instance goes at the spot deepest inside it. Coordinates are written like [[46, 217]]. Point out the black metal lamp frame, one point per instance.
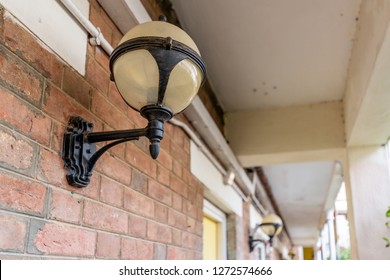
[[79, 148], [254, 242]]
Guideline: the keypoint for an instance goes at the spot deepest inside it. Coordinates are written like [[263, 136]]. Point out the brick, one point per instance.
[[12, 233], [51, 168], [175, 253], [165, 159], [192, 196], [192, 241], [179, 186], [22, 195], [61, 107], [163, 175], [159, 232], [114, 168], [177, 202], [108, 113], [111, 192], [187, 145], [24, 118], [139, 182], [190, 209], [133, 249], [138, 203], [116, 98], [143, 144], [104, 217], [176, 237], [161, 214], [63, 240], [186, 176], [29, 48], [160, 252], [108, 246], [165, 143], [177, 219], [57, 137], [169, 130], [177, 169], [137, 226], [178, 136], [20, 78], [65, 207], [180, 155], [75, 86], [140, 160], [95, 4], [102, 58], [97, 76], [199, 228], [136, 118], [116, 37], [159, 192], [16, 152], [191, 225]]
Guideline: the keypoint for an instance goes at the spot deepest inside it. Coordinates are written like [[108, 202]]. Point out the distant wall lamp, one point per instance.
[[271, 225], [158, 71]]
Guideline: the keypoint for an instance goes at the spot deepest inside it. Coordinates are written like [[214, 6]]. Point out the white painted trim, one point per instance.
[[138, 10], [225, 197], [216, 214]]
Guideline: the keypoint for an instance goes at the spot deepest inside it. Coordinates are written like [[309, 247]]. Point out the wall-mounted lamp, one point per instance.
[[271, 225], [158, 71]]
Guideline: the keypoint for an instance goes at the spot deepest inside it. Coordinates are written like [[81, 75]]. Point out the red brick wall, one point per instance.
[[134, 208]]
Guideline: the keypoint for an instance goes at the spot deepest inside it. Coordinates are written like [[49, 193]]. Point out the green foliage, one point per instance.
[[387, 224], [387, 241], [344, 253]]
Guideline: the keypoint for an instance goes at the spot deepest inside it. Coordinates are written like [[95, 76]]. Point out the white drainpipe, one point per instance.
[[97, 36]]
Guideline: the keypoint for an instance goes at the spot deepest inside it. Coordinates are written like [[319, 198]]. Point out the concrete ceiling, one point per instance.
[[270, 54], [301, 191], [263, 53]]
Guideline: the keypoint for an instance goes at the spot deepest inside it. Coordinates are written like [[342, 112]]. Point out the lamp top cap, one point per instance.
[[160, 29], [272, 218]]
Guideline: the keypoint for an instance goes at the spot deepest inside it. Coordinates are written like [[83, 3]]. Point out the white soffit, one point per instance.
[[263, 53], [301, 190], [125, 13]]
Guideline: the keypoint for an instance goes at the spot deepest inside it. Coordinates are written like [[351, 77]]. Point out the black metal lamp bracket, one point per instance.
[[79, 149], [254, 242]]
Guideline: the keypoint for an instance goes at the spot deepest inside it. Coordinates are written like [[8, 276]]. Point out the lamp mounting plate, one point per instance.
[[77, 152]]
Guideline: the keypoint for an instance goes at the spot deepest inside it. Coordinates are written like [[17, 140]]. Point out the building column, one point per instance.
[[324, 245], [331, 234], [367, 179]]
